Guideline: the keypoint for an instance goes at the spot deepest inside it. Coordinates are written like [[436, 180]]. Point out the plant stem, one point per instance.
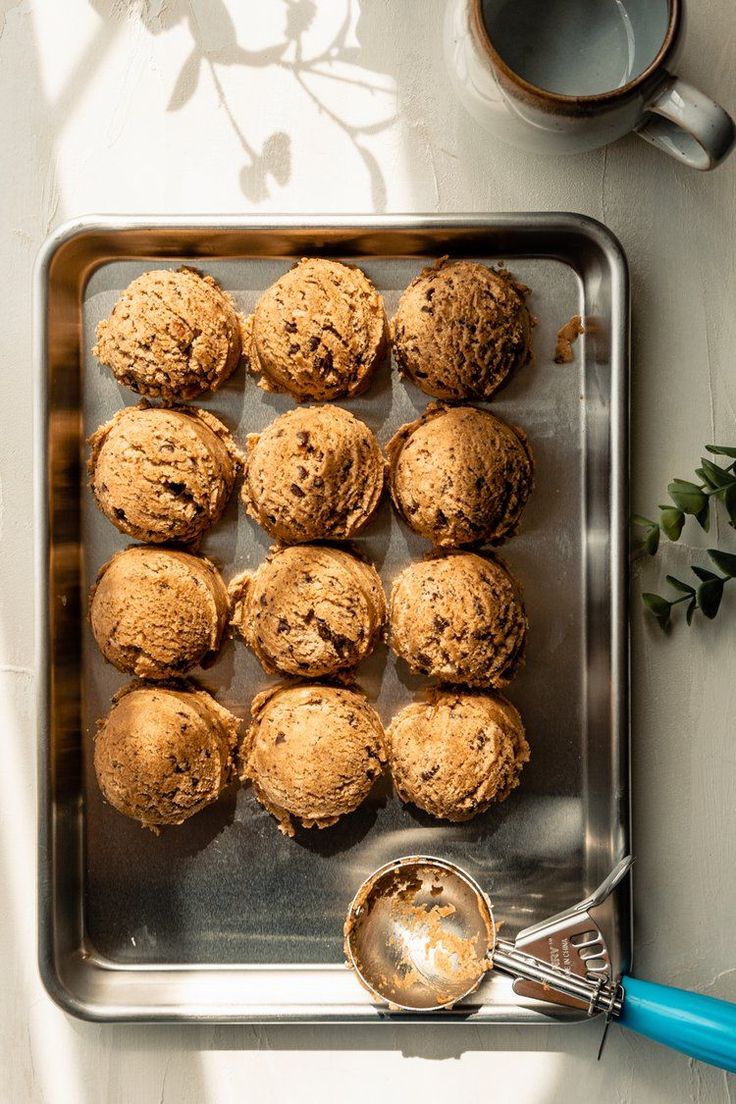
[[717, 490]]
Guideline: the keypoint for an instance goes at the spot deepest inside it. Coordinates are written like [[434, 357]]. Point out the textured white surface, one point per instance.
[[124, 106]]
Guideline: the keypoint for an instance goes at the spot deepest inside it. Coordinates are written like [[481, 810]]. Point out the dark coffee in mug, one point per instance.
[[577, 47]]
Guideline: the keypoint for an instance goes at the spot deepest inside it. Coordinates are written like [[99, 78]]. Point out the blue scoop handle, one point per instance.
[[701, 1027]]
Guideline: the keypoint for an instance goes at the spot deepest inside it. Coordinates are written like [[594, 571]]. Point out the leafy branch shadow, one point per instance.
[[215, 47]]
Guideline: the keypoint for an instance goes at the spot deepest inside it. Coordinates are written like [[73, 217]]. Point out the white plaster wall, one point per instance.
[[220, 106]]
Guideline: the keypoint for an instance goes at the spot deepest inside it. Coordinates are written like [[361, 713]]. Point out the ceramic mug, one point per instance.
[[565, 76]]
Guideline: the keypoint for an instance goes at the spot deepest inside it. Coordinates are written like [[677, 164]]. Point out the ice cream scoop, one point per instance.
[[461, 329], [420, 935], [162, 475], [460, 475], [164, 753], [157, 612], [318, 332], [172, 335], [316, 473]]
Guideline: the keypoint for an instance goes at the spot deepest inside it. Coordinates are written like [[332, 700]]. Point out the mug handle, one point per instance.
[[688, 125]]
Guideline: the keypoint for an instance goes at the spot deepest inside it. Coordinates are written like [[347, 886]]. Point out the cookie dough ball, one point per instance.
[[162, 475], [310, 610], [163, 754], [316, 473], [318, 332], [313, 754], [459, 475], [461, 329], [455, 754], [156, 613], [171, 335], [459, 618]]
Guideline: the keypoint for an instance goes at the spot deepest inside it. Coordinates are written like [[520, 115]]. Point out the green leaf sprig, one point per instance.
[[717, 484]]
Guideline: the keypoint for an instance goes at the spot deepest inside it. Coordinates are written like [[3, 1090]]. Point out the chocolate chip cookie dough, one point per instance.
[[309, 610], [162, 475], [459, 475], [313, 754], [458, 618], [456, 753], [163, 754], [316, 473], [156, 612], [461, 329], [171, 335], [318, 332]]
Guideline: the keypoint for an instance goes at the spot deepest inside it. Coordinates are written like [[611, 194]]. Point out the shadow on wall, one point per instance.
[[349, 55]]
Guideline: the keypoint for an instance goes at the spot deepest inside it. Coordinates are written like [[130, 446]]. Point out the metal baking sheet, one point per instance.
[[224, 919]]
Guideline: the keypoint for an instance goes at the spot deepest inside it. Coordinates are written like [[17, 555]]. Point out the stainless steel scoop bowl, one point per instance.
[[420, 934]]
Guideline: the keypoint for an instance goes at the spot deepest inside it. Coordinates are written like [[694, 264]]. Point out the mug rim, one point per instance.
[[595, 99]]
